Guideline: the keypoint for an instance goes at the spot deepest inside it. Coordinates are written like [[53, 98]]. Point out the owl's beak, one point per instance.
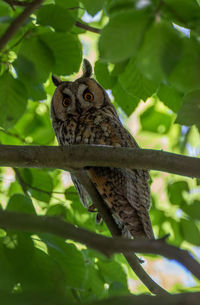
[[78, 107]]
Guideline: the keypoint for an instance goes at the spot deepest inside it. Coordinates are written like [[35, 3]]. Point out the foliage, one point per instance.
[[149, 51]]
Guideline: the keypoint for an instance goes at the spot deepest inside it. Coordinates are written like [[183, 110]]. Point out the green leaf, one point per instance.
[[126, 101], [198, 1], [13, 100], [175, 192], [119, 68], [185, 76], [190, 231], [171, 97], [160, 51], [158, 217], [42, 185], [57, 210], [189, 113], [20, 203], [67, 52], [114, 275], [94, 285], [121, 37], [5, 10], [19, 249], [43, 274], [135, 83], [68, 4], [38, 182], [35, 125], [187, 16], [92, 6], [33, 269], [193, 210], [68, 258], [15, 188], [103, 75], [56, 16], [155, 121], [7, 277], [35, 61], [176, 238], [36, 91], [114, 6]]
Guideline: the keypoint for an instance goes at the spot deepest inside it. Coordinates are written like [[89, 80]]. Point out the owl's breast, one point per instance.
[[66, 131], [97, 128]]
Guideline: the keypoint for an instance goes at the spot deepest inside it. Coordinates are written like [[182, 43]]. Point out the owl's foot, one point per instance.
[[93, 209]]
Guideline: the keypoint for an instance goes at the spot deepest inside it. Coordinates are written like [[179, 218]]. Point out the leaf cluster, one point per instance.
[[148, 51]]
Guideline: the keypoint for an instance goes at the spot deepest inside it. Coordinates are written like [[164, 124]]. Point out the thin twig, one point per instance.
[[107, 217], [87, 27], [18, 42], [79, 156], [20, 180], [18, 22], [26, 185], [106, 245]]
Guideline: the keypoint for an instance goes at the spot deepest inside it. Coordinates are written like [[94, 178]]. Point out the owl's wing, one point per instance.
[[138, 195], [126, 191], [119, 136], [137, 187]]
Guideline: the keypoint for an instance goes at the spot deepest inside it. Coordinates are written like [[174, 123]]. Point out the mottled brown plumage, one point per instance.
[[82, 113]]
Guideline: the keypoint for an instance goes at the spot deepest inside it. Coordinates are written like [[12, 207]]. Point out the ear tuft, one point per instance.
[[87, 68], [56, 80]]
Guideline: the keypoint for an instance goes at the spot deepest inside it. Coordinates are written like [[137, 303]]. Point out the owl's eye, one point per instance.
[[88, 96], [66, 101]]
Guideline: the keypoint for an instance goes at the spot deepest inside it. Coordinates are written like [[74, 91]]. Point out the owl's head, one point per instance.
[[77, 97]]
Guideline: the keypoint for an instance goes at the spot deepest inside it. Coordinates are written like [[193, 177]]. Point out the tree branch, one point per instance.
[[78, 156], [18, 22], [106, 245], [87, 27], [131, 258]]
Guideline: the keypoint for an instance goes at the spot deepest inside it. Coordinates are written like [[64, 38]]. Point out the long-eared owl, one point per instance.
[[82, 113]]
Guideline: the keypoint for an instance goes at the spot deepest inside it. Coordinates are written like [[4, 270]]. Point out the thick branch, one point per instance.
[[18, 22], [78, 156], [106, 245]]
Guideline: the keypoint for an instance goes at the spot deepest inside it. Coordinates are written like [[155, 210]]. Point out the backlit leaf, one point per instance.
[[121, 37], [13, 100]]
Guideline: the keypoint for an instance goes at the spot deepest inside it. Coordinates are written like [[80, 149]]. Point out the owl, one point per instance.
[[82, 113]]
